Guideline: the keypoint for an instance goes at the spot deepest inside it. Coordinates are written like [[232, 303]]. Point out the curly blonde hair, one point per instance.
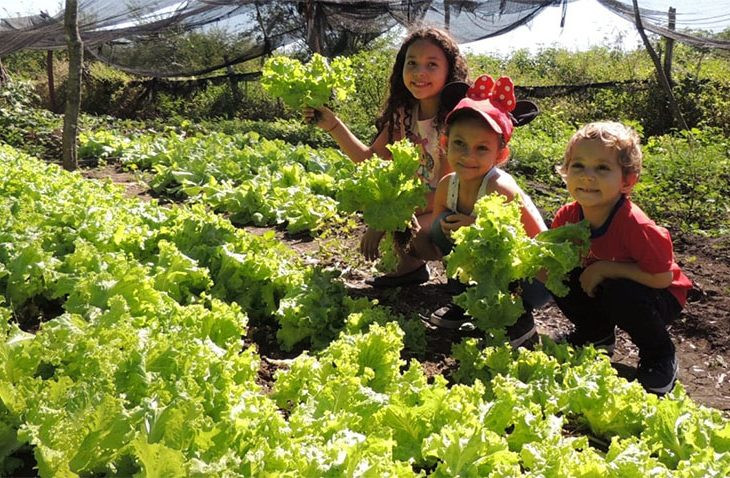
[[613, 135]]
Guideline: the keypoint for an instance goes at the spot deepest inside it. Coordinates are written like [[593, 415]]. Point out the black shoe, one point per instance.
[[415, 277], [581, 338], [449, 317], [522, 332], [454, 287], [658, 375]]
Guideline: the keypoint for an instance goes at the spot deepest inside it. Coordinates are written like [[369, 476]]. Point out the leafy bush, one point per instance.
[[686, 181], [36, 131]]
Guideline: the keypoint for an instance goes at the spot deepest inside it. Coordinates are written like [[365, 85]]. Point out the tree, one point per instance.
[[73, 95]]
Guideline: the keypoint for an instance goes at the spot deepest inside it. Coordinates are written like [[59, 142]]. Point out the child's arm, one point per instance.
[[531, 218], [595, 273], [370, 242], [345, 139], [453, 221], [422, 245]]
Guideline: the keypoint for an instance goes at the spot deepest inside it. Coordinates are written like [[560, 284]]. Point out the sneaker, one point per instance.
[[658, 375], [522, 332], [579, 338], [449, 317]]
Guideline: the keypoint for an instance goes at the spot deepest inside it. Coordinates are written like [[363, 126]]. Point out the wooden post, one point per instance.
[[314, 26], [235, 91], [669, 44], [51, 86], [447, 14], [659, 69], [4, 78], [73, 93]]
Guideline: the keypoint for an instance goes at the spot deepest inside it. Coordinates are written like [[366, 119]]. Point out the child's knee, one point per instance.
[[534, 294], [625, 298]]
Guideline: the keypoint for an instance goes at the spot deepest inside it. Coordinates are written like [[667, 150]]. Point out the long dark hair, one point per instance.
[[399, 96]]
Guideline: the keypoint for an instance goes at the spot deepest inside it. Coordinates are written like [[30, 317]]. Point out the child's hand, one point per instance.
[[591, 277], [370, 242], [323, 117], [454, 221]]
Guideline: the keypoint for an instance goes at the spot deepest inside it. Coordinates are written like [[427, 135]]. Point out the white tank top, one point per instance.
[[452, 195]]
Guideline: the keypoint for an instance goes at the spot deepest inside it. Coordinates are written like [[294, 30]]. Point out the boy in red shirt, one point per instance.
[[629, 278]]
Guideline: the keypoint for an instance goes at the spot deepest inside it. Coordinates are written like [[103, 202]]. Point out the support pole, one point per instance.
[[314, 26], [235, 91], [669, 44], [51, 86], [73, 94], [4, 78], [447, 15], [659, 69]]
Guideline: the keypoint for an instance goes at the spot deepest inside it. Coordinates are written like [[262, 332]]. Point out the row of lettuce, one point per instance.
[[685, 184], [251, 179], [144, 371]]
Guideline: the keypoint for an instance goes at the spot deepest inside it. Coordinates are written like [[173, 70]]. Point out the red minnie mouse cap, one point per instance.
[[493, 101]]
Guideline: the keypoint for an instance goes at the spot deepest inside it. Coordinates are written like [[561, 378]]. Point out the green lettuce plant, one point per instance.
[[495, 253], [388, 193], [310, 84]]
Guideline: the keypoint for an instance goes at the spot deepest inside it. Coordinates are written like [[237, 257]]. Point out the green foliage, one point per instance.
[[311, 84], [387, 192], [292, 131], [21, 125], [495, 253], [685, 181], [254, 180], [373, 67], [536, 150], [146, 372]]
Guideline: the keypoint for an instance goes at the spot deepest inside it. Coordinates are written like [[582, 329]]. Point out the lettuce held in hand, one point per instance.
[[388, 193], [495, 253], [310, 84]]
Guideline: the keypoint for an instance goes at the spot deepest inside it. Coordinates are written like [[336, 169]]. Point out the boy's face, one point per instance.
[[473, 148], [595, 177], [425, 70]]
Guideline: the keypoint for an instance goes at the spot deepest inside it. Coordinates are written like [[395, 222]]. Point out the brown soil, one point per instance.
[[701, 333], [133, 187]]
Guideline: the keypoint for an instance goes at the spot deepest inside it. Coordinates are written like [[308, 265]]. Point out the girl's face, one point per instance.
[[595, 178], [425, 70], [473, 148]]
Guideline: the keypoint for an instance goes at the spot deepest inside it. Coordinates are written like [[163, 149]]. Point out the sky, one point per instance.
[[587, 24], [14, 8]]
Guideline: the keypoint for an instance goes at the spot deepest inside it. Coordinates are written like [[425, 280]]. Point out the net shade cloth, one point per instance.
[[146, 37]]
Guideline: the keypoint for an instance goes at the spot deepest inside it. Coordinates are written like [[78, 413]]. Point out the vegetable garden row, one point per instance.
[[140, 366]]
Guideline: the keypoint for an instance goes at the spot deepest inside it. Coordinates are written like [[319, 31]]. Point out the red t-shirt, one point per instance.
[[630, 236]]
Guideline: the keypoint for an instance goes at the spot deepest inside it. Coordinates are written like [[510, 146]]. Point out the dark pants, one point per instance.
[[641, 311]]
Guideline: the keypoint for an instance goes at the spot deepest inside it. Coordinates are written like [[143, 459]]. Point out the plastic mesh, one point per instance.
[[145, 36]]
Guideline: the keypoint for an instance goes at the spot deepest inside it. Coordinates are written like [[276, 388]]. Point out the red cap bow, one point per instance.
[[493, 101], [501, 94]]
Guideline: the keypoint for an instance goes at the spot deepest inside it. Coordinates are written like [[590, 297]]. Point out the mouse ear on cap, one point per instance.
[[451, 94], [524, 112]]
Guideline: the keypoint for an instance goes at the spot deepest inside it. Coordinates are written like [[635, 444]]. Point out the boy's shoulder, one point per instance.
[[570, 212], [632, 213]]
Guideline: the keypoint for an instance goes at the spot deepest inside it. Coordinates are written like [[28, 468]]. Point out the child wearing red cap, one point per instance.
[[477, 131]]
